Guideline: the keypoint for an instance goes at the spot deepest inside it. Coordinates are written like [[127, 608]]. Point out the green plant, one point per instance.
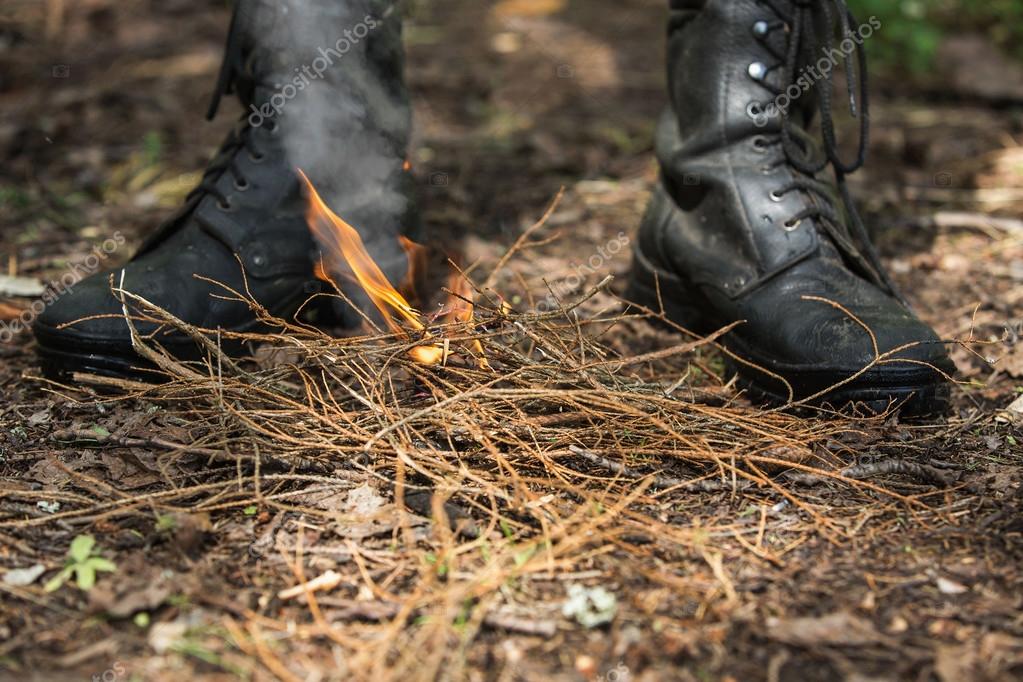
[[908, 35], [912, 30], [82, 563]]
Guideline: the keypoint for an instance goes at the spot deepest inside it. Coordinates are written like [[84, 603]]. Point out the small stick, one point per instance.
[[327, 581], [659, 482], [76, 435], [860, 472], [521, 240], [379, 611]]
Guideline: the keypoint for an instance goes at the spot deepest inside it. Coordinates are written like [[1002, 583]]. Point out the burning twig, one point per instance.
[[342, 244]]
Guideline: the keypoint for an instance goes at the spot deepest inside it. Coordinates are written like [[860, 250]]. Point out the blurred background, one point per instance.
[[102, 131]]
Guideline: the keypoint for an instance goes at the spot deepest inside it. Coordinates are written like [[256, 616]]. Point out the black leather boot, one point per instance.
[[321, 85], [746, 223]]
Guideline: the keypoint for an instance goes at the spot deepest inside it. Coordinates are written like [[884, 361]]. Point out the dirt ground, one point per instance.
[[916, 576]]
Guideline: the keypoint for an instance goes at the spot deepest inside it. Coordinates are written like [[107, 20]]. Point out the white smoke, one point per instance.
[[343, 109]]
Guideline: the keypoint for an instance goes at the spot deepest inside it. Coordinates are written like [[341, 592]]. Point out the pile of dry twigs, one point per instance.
[[533, 452]]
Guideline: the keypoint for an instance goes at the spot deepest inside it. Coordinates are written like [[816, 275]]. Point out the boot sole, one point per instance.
[[61, 357], [61, 354], [681, 305]]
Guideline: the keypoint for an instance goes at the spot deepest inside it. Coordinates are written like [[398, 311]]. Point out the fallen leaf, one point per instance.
[[838, 629], [20, 286], [364, 501], [1016, 407], [164, 636], [528, 8], [954, 663], [898, 625], [1012, 362], [123, 603], [946, 586], [9, 312], [21, 577]]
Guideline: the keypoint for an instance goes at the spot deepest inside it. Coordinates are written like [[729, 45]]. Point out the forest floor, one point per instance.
[[496, 538]]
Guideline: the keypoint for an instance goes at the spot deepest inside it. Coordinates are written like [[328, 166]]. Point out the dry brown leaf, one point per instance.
[[9, 312], [528, 8], [1012, 362], [835, 629]]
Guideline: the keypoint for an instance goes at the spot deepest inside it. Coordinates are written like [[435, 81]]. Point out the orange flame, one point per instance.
[[337, 238], [460, 304], [340, 241]]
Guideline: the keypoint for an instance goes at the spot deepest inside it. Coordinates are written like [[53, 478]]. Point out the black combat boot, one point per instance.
[[322, 87], [747, 225]]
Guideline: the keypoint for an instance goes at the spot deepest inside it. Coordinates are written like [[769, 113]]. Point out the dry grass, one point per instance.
[[562, 461]]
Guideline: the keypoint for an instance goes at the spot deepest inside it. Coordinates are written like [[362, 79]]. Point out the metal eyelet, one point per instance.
[[792, 226], [761, 28], [766, 170], [777, 198], [757, 71], [241, 186], [272, 127], [225, 206], [257, 158], [760, 144], [755, 110]]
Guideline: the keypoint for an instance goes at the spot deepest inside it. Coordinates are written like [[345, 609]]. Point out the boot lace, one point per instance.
[[232, 71], [810, 33]]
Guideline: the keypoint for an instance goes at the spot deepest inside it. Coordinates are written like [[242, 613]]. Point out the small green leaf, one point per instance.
[[98, 563], [81, 548], [86, 576], [250, 510], [54, 583], [100, 431], [141, 619]]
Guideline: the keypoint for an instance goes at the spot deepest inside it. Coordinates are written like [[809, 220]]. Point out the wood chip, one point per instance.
[[327, 581]]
